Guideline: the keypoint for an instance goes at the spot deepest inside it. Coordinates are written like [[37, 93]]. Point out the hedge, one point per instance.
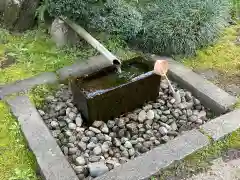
[[157, 26]]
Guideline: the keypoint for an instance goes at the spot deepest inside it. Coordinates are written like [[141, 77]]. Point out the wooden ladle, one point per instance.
[[161, 68]]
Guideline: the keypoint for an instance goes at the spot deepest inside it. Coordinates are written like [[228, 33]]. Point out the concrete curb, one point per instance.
[[93, 64], [148, 164], [221, 126], [23, 85], [209, 94], [50, 159], [78, 69]]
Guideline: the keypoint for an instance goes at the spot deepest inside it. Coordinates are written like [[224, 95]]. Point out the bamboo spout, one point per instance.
[[93, 42]]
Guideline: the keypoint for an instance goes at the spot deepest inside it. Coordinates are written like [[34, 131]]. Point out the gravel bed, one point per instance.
[[94, 150]]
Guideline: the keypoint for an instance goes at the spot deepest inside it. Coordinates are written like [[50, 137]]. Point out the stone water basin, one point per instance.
[[106, 94]]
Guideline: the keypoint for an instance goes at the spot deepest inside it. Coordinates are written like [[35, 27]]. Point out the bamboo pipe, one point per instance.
[[93, 42]]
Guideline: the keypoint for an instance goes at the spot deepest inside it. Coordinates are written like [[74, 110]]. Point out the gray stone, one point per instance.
[[156, 142], [97, 169], [121, 123], [116, 142], [105, 147], [72, 115], [131, 152], [97, 124], [147, 107], [68, 110], [150, 114], [110, 124], [174, 126], [59, 106], [193, 118], [142, 116], [223, 125], [147, 144], [79, 121], [100, 137], [85, 139], [72, 126], [54, 124], [143, 167], [94, 140], [128, 144], [72, 139], [62, 34], [81, 176], [82, 146], [163, 118], [143, 149], [108, 138], [164, 84], [202, 115], [132, 127], [80, 161], [90, 133], [104, 128], [114, 163], [132, 116], [91, 145], [121, 132], [163, 130], [72, 150], [94, 158], [97, 150], [125, 153], [79, 169], [167, 112]]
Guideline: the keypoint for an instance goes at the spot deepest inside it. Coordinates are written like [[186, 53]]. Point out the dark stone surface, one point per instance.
[[223, 125], [89, 66], [150, 163], [23, 85], [209, 94], [118, 100], [51, 161], [20, 15]]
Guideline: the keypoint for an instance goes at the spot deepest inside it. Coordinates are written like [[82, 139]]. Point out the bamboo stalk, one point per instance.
[[93, 42]]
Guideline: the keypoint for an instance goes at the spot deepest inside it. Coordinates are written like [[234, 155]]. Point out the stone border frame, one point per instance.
[[53, 164]]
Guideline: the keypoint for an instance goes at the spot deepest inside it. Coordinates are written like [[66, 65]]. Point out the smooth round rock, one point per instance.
[[72, 126], [79, 121], [142, 116], [82, 146], [80, 161], [150, 115], [95, 130], [97, 150], [128, 144], [163, 130], [96, 169], [54, 124], [104, 128]]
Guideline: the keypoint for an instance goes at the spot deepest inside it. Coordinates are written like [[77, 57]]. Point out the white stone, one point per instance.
[[142, 116], [150, 114]]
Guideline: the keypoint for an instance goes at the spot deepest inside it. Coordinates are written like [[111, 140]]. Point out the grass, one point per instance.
[[16, 161], [36, 53], [224, 56]]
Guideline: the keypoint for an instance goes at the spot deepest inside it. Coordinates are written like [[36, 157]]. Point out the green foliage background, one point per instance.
[[158, 26]]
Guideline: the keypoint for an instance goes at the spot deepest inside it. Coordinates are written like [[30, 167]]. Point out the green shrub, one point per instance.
[[180, 26], [111, 16]]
